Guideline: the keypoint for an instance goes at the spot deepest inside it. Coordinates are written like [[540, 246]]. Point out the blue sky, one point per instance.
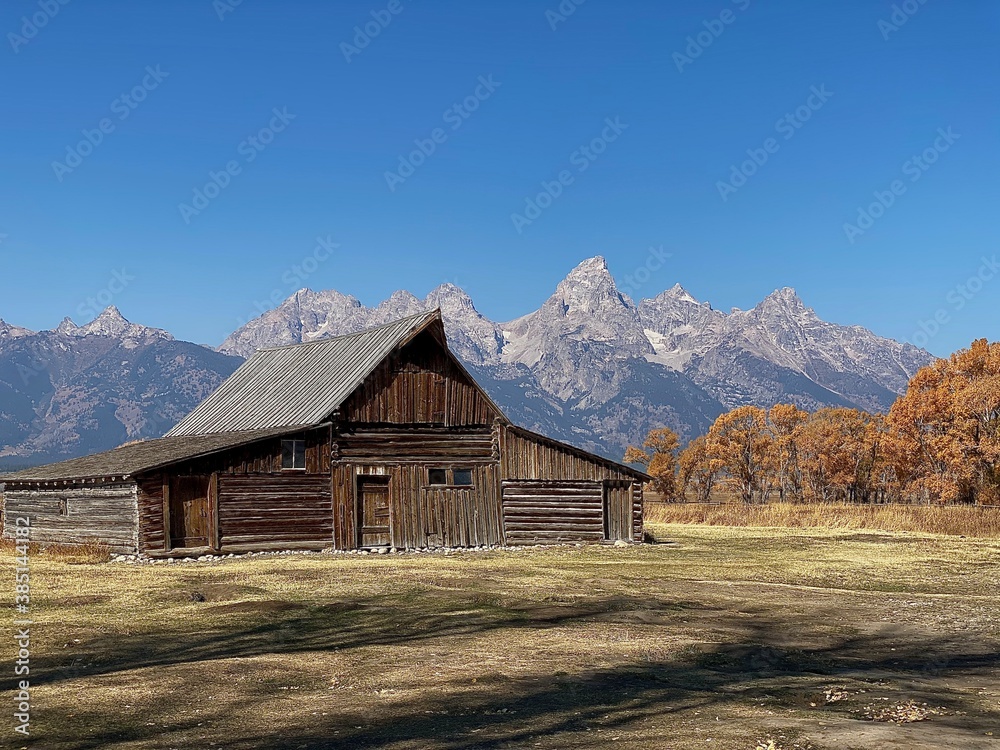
[[696, 90]]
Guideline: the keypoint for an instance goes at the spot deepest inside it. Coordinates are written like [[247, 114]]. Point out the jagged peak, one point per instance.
[[13, 331], [447, 289], [678, 292], [111, 312], [785, 297], [591, 266], [590, 286], [785, 292], [403, 295]]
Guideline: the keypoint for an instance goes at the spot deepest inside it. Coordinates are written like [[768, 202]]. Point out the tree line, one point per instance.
[[939, 443]]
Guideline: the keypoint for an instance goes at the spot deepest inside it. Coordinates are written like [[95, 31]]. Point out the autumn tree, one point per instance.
[[698, 470], [659, 459], [784, 422], [741, 441], [838, 449], [949, 422]]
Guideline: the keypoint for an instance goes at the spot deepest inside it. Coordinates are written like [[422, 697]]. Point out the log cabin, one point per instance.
[[378, 439]]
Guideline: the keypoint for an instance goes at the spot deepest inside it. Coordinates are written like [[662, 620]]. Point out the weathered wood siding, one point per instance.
[[151, 528], [275, 510], [537, 512], [525, 457], [75, 515], [638, 529], [421, 384], [421, 515], [526, 462], [263, 457], [249, 479]]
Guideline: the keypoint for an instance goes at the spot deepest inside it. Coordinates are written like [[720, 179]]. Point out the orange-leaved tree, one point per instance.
[[949, 422], [659, 459], [698, 470], [741, 441]]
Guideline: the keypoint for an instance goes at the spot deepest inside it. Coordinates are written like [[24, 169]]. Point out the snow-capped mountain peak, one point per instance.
[[112, 324], [8, 331]]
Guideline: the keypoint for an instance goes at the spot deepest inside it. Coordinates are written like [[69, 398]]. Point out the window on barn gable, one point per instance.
[[437, 476], [293, 455], [463, 477]]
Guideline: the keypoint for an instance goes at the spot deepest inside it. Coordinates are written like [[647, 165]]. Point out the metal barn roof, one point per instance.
[[301, 384]]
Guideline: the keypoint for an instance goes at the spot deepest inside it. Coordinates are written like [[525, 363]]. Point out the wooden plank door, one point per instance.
[[618, 511], [373, 512], [189, 511]]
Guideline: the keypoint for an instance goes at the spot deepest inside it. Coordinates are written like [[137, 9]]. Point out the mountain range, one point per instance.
[[590, 366]]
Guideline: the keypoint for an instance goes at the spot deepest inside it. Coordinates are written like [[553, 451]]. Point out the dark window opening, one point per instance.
[[463, 477], [293, 454], [437, 476]]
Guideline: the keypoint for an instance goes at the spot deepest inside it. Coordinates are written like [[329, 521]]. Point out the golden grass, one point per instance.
[[726, 638], [90, 552], [949, 520]]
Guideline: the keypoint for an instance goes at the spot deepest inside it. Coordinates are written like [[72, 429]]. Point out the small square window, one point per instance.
[[293, 454], [437, 476], [463, 477]]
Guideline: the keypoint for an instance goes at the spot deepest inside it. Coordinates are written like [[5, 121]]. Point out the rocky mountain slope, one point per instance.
[[590, 366], [82, 389]]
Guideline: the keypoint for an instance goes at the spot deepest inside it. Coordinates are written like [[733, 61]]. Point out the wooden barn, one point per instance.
[[375, 439]]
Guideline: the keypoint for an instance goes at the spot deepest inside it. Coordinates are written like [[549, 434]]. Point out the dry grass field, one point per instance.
[[732, 638], [954, 520]]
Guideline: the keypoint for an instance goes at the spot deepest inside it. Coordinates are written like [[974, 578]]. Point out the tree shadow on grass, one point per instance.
[[759, 662]]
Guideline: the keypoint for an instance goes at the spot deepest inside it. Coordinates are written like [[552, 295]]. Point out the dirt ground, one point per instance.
[[716, 638]]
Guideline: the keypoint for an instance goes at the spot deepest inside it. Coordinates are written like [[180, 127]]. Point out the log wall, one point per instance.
[[561, 477], [274, 510], [550, 512], [76, 515], [151, 530]]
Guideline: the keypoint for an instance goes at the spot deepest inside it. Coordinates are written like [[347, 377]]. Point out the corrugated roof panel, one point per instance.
[[297, 385]]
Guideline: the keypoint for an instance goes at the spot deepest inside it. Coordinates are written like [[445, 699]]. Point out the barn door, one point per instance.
[[189, 511], [373, 512], [618, 511]]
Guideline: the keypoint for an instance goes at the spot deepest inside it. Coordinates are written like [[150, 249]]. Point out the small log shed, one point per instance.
[[376, 439]]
